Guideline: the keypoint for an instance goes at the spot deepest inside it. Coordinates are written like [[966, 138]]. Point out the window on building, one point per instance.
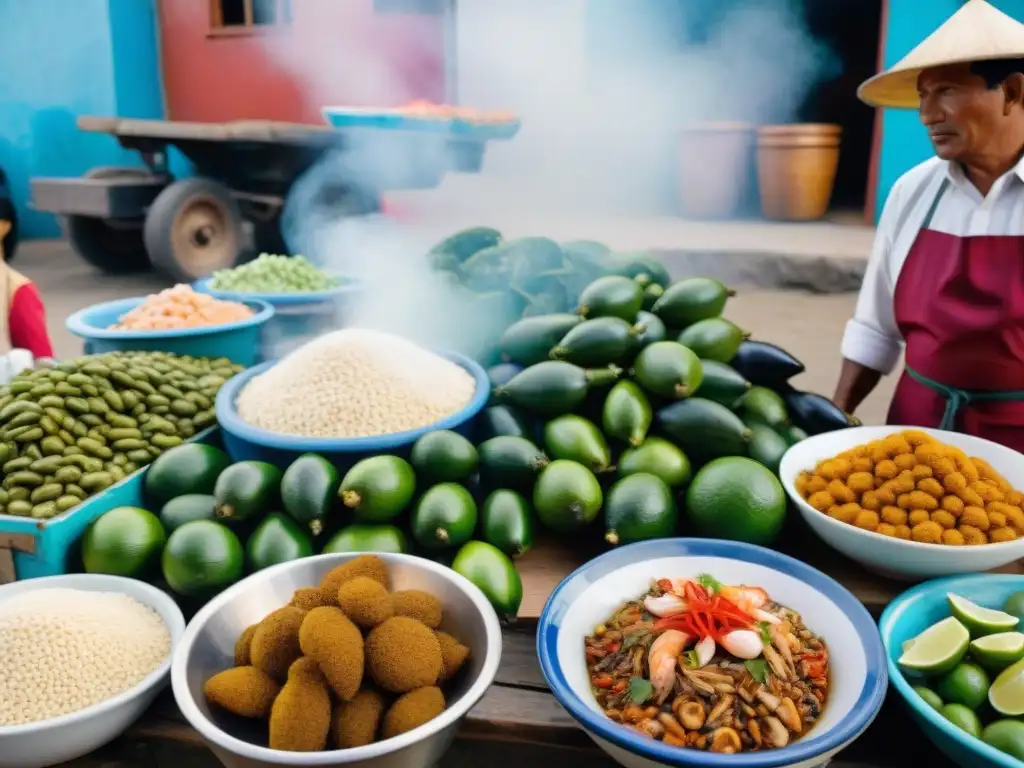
[[242, 15]]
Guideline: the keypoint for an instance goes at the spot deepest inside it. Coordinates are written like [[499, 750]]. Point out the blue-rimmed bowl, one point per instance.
[[245, 441], [587, 597], [912, 613], [238, 341]]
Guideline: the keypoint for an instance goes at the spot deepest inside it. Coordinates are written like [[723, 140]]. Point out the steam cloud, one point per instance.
[[601, 105]]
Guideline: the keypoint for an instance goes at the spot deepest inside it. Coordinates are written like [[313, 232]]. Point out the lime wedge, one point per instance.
[[938, 649], [997, 652], [979, 620], [1007, 692]]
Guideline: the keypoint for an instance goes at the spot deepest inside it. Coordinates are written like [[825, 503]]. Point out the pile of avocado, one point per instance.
[[633, 392], [505, 280], [213, 521]]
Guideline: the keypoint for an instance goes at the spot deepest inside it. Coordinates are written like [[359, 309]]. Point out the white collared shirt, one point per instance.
[[872, 338]]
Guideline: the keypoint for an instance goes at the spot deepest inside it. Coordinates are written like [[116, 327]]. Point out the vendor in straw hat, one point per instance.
[[945, 281]]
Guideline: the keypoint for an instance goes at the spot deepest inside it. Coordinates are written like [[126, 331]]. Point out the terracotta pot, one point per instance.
[[715, 169], [796, 169]]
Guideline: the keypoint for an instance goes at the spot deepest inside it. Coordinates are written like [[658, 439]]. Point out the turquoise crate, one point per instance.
[[45, 547]]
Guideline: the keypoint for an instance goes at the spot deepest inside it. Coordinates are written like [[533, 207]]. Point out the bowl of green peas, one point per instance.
[[307, 301], [278, 280]]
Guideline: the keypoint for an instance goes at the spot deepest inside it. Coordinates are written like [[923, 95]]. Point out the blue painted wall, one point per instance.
[[62, 59], [904, 141]]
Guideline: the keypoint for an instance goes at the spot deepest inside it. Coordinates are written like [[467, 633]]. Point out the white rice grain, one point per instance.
[[62, 650], [355, 383]]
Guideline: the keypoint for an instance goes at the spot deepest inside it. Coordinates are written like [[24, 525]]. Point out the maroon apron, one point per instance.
[[959, 305]]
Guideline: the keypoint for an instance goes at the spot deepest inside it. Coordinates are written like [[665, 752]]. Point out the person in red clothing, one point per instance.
[[25, 316]]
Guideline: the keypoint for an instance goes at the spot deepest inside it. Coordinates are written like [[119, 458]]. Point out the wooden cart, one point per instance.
[[122, 219]]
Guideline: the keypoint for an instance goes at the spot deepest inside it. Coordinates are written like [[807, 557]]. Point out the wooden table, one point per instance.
[[519, 719]]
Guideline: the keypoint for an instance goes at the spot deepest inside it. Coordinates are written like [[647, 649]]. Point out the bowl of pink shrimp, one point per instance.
[[178, 320], [699, 652]]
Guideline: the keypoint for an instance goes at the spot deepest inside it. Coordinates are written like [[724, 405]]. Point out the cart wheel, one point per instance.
[[112, 246], [193, 228]]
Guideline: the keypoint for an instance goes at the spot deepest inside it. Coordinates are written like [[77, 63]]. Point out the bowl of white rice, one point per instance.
[[81, 658], [348, 394]]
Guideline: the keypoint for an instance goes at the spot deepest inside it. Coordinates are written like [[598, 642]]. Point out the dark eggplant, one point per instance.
[[765, 365], [815, 413]]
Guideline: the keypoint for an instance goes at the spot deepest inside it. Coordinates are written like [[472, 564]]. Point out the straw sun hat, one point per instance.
[[977, 32]]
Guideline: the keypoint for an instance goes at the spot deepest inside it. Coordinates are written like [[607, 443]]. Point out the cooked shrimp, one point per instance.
[[747, 599], [668, 604], [662, 660]]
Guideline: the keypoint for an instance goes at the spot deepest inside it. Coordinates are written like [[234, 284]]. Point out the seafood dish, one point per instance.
[[699, 664]]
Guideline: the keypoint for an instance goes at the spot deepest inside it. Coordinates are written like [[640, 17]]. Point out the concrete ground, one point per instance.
[[809, 325]]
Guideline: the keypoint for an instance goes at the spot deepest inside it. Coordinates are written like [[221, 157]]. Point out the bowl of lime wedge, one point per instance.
[[955, 652]]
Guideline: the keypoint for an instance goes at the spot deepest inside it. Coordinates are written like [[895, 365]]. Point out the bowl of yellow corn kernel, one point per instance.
[[910, 503]]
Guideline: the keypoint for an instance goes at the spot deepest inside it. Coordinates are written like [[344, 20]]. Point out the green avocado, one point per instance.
[[187, 468], [506, 522], [247, 489], [278, 539], [494, 574], [639, 507], [359, 537], [445, 516], [183, 509], [576, 439], [443, 456], [309, 491], [378, 488], [567, 496]]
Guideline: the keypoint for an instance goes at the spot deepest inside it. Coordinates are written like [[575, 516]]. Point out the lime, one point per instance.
[[997, 652], [966, 684], [963, 718], [736, 498], [938, 649], [978, 619], [201, 558], [1007, 692], [1014, 605], [1006, 736], [930, 697], [126, 541]]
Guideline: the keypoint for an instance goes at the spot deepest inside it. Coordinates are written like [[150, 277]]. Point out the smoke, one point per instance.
[[603, 88]]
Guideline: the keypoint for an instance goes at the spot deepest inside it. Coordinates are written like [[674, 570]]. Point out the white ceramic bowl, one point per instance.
[[208, 647], [897, 558], [64, 738], [857, 677]]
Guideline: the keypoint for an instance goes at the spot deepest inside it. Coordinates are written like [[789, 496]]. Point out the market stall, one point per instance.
[[355, 519]]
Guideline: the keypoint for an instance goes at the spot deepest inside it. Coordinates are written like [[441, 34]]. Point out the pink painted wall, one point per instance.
[[335, 52]]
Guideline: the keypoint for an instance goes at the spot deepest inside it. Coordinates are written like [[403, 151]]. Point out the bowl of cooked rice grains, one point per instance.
[[179, 320], [910, 503], [81, 658], [697, 652], [346, 395], [339, 659]]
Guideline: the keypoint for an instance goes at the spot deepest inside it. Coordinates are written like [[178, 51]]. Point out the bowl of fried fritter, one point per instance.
[[339, 659], [910, 503]]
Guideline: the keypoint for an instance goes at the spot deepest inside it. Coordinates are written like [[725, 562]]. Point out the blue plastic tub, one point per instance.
[[239, 342], [244, 441], [298, 317], [392, 120], [45, 547], [908, 616]]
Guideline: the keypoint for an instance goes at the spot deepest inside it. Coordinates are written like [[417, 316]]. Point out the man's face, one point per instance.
[[962, 114]]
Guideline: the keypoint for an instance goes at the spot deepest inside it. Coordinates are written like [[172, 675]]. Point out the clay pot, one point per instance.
[[715, 169], [796, 169]]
